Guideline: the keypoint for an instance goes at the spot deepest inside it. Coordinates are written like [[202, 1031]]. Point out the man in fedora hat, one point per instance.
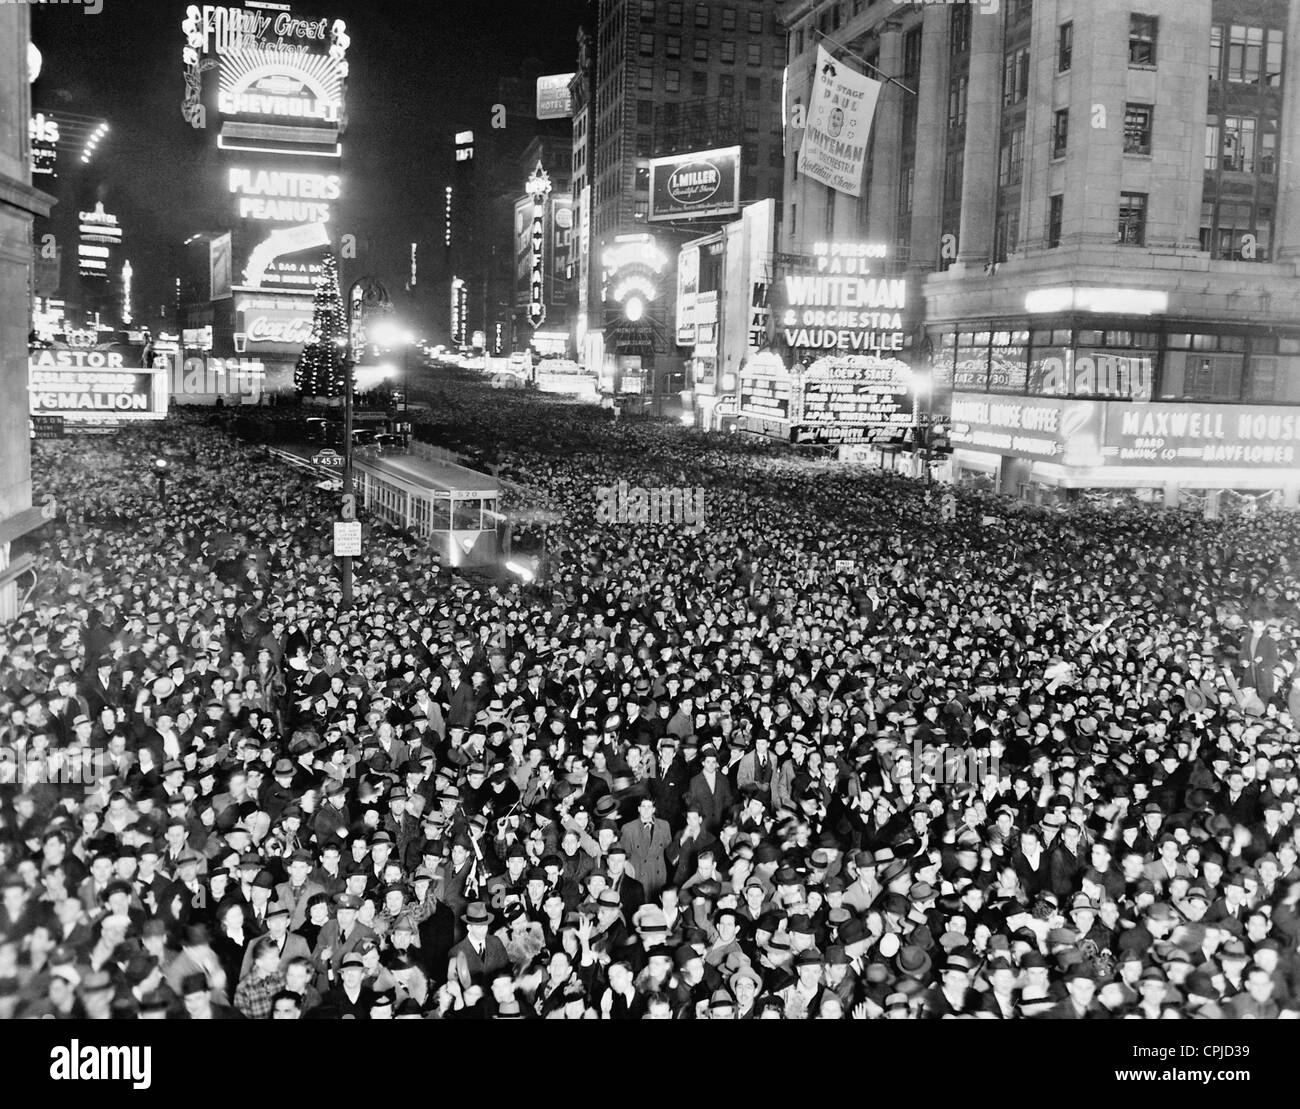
[[338, 938], [474, 960]]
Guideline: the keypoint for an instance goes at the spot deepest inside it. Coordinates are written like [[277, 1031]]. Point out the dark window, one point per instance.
[[957, 101], [726, 85], [1132, 230], [753, 87], [728, 19], [674, 13], [728, 51], [672, 45], [645, 112], [1064, 47], [912, 53], [1015, 77], [699, 83], [1011, 157], [1245, 54], [1142, 39], [1137, 128], [1239, 134], [647, 10], [701, 15], [1060, 132], [1055, 217], [753, 54], [959, 31]]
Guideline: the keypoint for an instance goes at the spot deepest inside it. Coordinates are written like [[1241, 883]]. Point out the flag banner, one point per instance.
[[834, 149]]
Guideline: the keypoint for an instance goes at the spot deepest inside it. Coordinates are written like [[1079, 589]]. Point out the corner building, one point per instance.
[[1100, 201]]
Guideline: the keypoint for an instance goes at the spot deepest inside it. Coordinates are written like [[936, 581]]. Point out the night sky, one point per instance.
[[420, 71]]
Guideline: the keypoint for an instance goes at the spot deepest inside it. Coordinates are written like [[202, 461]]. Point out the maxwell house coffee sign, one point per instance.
[[695, 186]]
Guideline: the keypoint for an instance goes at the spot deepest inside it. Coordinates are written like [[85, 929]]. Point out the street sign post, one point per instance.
[[347, 538], [330, 459]]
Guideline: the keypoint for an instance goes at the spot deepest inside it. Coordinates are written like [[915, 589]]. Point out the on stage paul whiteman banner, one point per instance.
[[834, 149]]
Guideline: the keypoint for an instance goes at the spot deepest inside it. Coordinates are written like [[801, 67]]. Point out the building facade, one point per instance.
[[20, 204], [1100, 208], [666, 77]]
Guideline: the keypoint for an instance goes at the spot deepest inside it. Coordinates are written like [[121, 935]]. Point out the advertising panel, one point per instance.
[[1064, 431], [1201, 435], [855, 400], [220, 266], [842, 302], [688, 287], [834, 148], [553, 99], [91, 385], [1100, 433], [697, 185], [766, 391], [706, 325]]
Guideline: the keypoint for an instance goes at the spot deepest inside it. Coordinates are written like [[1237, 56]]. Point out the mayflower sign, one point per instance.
[[693, 186]]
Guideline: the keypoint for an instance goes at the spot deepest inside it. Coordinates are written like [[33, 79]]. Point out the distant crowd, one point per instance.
[[831, 756]]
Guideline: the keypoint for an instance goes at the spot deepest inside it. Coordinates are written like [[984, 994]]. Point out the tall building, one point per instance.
[[20, 204], [1098, 205], [667, 77]]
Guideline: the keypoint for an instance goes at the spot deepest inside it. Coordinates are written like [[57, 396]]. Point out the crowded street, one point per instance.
[[830, 755]]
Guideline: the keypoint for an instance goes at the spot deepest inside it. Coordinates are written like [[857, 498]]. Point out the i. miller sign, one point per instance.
[[695, 185]]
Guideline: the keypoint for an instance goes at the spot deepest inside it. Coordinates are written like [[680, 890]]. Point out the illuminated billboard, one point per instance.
[[695, 186], [553, 99], [94, 385]]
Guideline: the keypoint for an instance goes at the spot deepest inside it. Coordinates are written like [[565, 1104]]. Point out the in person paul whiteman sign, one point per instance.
[[834, 149]]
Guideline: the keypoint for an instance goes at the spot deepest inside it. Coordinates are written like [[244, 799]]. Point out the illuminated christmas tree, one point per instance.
[[319, 372]]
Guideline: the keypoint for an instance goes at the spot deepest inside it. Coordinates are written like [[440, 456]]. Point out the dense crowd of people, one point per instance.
[[834, 755]]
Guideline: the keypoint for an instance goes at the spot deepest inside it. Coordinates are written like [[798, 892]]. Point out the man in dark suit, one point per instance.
[[711, 791], [477, 957], [1258, 659], [646, 839], [631, 893]]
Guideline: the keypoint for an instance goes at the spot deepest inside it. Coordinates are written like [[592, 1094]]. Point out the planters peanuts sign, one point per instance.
[[694, 186]]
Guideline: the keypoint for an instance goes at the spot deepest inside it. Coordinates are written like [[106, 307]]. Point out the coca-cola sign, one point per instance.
[[271, 327]]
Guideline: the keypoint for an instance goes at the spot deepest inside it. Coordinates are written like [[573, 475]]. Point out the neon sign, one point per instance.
[[284, 197], [538, 187], [307, 88]]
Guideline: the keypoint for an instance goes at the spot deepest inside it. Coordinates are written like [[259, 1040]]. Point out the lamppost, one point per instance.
[[921, 392], [365, 295], [160, 469]]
